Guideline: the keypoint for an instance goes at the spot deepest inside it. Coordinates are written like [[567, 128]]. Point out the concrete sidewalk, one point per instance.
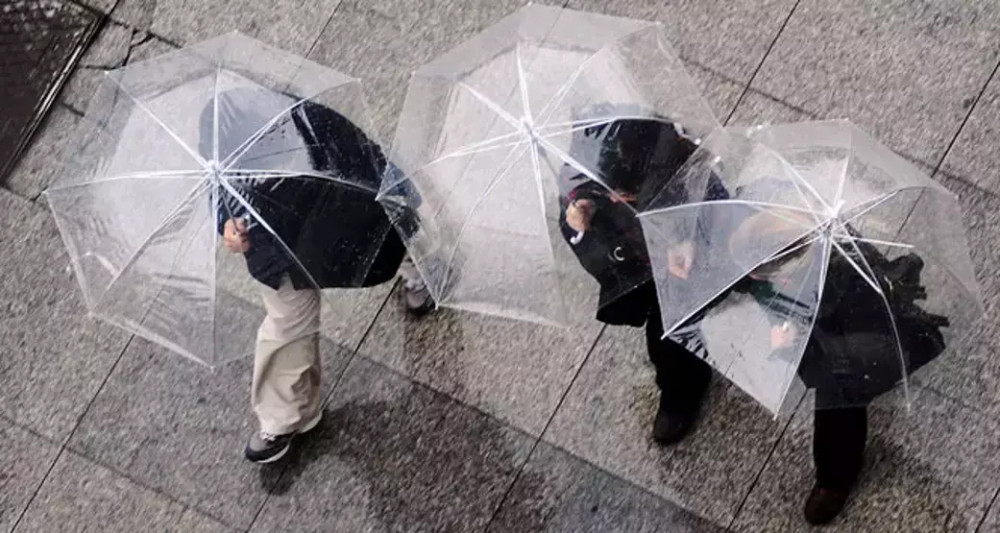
[[487, 425]]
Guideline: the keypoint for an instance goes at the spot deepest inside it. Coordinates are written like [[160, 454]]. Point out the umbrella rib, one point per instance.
[[892, 322], [764, 206], [468, 218], [232, 158], [577, 125], [727, 286], [876, 242], [493, 106], [796, 179], [486, 148], [580, 167], [476, 147], [843, 175], [136, 176], [142, 247], [945, 264], [215, 113], [200, 160], [260, 219], [864, 275], [301, 148], [276, 174], [824, 268], [864, 209], [537, 167], [558, 97], [522, 83]]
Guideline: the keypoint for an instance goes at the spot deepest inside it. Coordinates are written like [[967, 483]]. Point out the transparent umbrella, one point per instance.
[[830, 263], [495, 136], [174, 147]]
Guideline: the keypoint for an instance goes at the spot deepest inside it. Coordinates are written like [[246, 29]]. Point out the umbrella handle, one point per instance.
[[574, 240]]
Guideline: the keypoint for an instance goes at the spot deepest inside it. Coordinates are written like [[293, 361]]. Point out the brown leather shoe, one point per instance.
[[823, 505]]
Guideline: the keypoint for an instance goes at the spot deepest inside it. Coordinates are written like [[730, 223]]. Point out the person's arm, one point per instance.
[[681, 254]]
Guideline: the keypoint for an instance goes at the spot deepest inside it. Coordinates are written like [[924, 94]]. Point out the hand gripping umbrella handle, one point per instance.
[[574, 240]]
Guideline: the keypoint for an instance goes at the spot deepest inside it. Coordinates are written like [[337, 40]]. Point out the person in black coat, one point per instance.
[[634, 159], [860, 345], [305, 218], [851, 354]]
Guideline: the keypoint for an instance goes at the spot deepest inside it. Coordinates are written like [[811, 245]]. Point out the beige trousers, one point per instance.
[[285, 393]]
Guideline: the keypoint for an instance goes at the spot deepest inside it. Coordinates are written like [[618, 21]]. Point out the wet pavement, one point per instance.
[[465, 423], [40, 44]]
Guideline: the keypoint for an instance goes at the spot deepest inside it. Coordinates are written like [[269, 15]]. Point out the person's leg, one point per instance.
[[285, 393], [839, 438], [415, 292], [682, 378]]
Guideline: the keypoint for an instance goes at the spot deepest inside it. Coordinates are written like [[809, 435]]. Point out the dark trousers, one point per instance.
[[681, 376], [839, 437]]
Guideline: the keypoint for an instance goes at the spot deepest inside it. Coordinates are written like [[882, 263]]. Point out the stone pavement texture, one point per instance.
[[481, 424]]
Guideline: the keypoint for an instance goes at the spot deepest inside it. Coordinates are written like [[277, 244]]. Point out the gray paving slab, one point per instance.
[[288, 24], [179, 428], [39, 165], [991, 522], [907, 72], [383, 41], [757, 108], [26, 459], [731, 37], [116, 46], [513, 370], [108, 51], [557, 492], [82, 496], [973, 155], [348, 313], [607, 416], [719, 90], [392, 455], [53, 357], [934, 468], [104, 6], [194, 522]]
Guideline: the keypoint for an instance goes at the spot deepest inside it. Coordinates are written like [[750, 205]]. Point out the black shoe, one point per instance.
[[672, 425], [823, 505], [264, 447], [418, 299]]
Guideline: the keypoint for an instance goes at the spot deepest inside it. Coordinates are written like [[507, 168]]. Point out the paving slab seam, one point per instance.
[[391, 371], [157, 36], [763, 467], [11, 422], [986, 514], [770, 47], [972, 108], [629, 483], [538, 440], [951, 144], [64, 446], [165, 495], [322, 31]]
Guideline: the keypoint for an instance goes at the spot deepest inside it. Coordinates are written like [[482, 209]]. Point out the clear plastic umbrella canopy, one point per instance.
[[495, 133], [173, 147], [829, 263]]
